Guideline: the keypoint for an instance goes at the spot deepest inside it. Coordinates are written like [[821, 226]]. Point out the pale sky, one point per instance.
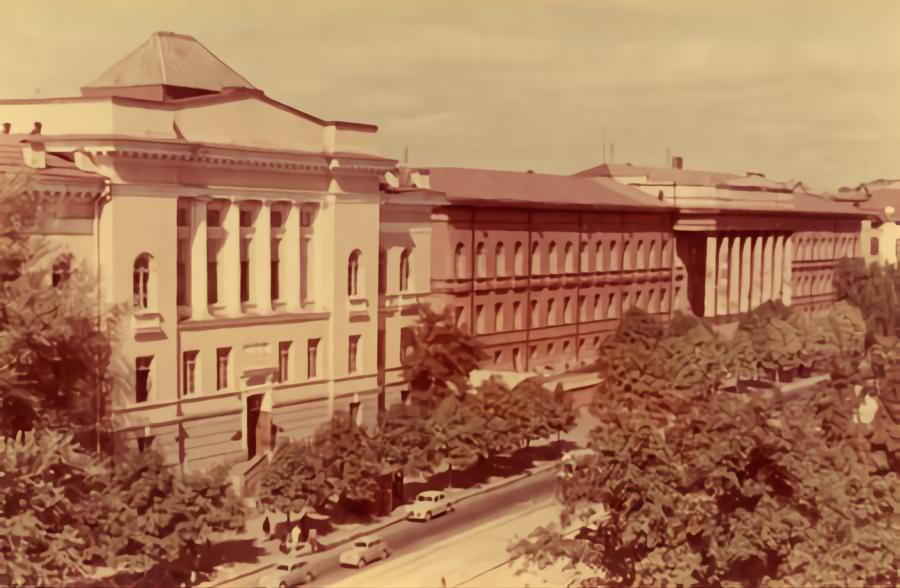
[[803, 89]]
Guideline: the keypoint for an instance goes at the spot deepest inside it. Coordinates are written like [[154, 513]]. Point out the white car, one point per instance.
[[289, 573], [365, 550], [429, 504]]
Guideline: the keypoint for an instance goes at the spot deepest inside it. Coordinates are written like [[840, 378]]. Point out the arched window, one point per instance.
[[353, 273], [62, 269], [552, 258], [626, 256], [613, 259], [480, 260], [519, 259], [518, 321], [611, 306], [405, 269], [651, 301], [459, 261], [664, 253], [638, 262], [141, 281], [651, 255], [597, 310], [569, 258], [598, 257], [551, 312], [584, 258], [500, 259], [535, 259], [626, 302], [498, 317]]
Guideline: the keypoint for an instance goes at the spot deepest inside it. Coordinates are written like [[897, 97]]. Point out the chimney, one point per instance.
[[6, 128], [678, 162], [37, 128], [404, 177]]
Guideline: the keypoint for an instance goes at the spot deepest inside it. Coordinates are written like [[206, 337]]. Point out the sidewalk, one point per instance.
[[346, 533]]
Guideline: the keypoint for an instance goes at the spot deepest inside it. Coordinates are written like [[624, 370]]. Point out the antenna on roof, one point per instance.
[[406, 155]]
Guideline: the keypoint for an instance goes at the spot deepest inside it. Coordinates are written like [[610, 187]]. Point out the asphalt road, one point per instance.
[[408, 535]]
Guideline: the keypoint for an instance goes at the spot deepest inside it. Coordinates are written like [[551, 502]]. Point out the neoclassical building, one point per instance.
[[270, 262], [243, 237]]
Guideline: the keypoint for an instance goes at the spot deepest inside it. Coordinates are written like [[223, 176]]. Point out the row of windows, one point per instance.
[[549, 350], [550, 314], [224, 380], [813, 248], [814, 285], [606, 257]]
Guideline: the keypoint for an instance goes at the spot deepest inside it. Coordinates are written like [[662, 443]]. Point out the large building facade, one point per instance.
[[270, 262]]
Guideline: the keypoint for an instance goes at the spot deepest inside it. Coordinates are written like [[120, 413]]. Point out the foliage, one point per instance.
[[405, 440], [871, 290], [440, 358], [296, 481], [53, 354], [733, 492], [47, 489], [350, 458]]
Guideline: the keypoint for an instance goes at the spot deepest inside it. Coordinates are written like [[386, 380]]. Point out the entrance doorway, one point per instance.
[[259, 425]]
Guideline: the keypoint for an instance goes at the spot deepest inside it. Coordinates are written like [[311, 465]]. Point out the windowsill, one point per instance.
[[146, 322]]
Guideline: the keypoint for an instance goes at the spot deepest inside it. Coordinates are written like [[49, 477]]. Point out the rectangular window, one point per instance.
[[353, 355], [277, 219], [284, 360], [246, 218], [222, 355], [273, 280], [144, 444], [312, 358], [142, 378], [213, 217], [181, 217], [212, 282], [189, 372], [181, 298], [245, 280]]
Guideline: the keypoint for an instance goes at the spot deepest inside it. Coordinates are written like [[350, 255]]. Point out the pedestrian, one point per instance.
[[295, 537], [267, 527], [314, 540]]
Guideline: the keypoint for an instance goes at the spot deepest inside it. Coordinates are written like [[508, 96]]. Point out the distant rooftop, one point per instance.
[[166, 66]]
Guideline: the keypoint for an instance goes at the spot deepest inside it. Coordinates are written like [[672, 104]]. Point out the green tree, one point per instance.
[[53, 354], [440, 358], [296, 481], [50, 493], [871, 290]]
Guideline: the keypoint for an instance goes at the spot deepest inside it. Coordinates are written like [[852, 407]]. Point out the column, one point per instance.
[[230, 260], [709, 291], [778, 268], [746, 272], [734, 276], [786, 271], [262, 258], [767, 267], [756, 277], [291, 292], [722, 277], [199, 301]]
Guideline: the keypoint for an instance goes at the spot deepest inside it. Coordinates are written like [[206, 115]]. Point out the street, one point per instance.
[[476, 557], [410, 537]]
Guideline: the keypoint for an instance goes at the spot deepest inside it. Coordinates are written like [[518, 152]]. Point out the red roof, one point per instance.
[[486, 187]]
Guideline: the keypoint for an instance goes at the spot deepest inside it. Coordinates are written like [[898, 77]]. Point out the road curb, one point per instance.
[[375, 529]]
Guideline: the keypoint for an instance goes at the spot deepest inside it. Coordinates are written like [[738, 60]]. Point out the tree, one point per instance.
[[871, 290], [440, 358], [53, 354], [48, 492], [405, 440], [296, 481], [731, 490]]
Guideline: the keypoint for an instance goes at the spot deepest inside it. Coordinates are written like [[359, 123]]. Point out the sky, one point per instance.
[[799, 89]]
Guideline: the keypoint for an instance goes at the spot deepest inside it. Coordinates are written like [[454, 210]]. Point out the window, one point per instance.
[[459, 261], [245, 270], [212, 281], [144, 444], [582, 308], [569, 258], [274, 281], [498, 356], [480, 260], [181, 217], [498, 317], [614, 256], [353, 354], [189, 372], [213, 217], [551, 312], [651, 255], [598, 257], [625, 302], [181, 277], [141, 281], [62, 269], [612, 306], [535, 259], [584, 260], [222, 354], [517, 315], [535, 316], [638, 262], [551, 255], [567, 309], [479, 318], [284, 360], [873, 246], [597, 309], [277, 219], [312, 358], [246, 218], [459, 314], [404, 270], [305, 217], [353, 273], [500, 259], [142, 367], [407, 342], [519, 259], [382, 271]]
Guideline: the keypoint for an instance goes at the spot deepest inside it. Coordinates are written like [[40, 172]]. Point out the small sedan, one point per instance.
[[429, 504], [365, 550], [290, 573]]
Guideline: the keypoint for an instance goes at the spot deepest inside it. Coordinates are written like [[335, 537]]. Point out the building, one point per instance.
[[880, 232], [243, 235]]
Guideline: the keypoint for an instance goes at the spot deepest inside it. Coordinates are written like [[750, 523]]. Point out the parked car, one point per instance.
[[573, 460], [428, 504], [291, 572], [364, 551]]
